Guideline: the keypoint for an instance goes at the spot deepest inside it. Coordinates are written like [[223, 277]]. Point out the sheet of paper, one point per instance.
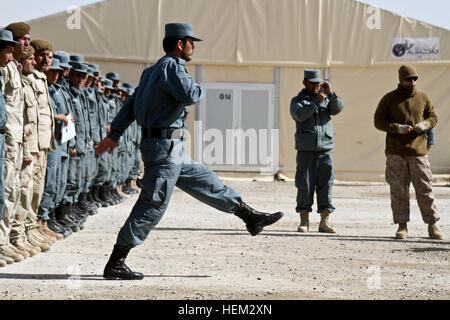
[[68, 132]]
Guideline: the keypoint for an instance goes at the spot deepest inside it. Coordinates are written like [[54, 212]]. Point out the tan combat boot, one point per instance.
[[2, 262], [434, 232], [324, 225], [35, 241], [22, 245], [23, 253], [8, 260], [402, 232], [304, 222], [43, 228], [6, 251], [40, 237]]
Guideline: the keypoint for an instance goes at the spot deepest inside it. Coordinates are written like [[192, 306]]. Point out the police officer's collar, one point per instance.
[[53, 86], [75, 90], [179, 60]]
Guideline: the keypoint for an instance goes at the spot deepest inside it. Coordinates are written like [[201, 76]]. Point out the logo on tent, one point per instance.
[[416, 48]]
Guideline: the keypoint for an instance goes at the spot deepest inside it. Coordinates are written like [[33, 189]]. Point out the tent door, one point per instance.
[[237, 128]]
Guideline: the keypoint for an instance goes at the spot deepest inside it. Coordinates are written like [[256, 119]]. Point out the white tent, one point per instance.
[[271, 42]]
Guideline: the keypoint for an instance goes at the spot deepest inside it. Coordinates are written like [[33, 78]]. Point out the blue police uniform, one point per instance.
[[102, 161], [314, 142], [53, 169], [159, 103], [63, 101]]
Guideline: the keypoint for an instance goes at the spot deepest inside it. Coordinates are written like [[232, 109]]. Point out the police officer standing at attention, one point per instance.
[[158, 105]]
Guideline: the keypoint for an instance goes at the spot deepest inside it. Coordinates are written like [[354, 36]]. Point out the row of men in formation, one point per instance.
[[56, 109]]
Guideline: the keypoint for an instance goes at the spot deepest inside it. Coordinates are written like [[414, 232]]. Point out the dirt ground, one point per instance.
[[199, 253]]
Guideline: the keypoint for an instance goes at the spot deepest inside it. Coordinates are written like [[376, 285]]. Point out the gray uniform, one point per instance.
[[75, 175], [92, 127], [103, 172], [54, 165]]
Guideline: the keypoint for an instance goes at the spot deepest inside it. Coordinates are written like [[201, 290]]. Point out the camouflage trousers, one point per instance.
[[400, 172], [13, 166]]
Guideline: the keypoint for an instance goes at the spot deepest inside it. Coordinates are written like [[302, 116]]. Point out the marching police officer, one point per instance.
[[158, 105]]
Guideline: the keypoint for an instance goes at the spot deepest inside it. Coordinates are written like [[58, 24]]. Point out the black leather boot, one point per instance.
[[125, 188], [78, 215], [256, 221], [85, 204], [117, 195], [116, 267], [92, 200], [55, 226], [62, 215], [96, 196], [105, 195]]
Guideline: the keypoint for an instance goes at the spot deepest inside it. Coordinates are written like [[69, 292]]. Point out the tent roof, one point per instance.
[[236, 32]]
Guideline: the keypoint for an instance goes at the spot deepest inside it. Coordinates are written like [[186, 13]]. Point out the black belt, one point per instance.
[[2, 131], [164, 133]]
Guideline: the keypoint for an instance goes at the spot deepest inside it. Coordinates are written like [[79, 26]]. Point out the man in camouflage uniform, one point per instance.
[[14, 135], [7, 45], [55, 166], [24, 234], [406, 114]]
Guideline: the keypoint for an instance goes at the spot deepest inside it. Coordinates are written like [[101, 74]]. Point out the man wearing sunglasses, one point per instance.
[[405, 114]]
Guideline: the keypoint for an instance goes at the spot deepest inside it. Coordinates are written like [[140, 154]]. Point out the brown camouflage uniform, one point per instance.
[[14, 137], [400, 171]]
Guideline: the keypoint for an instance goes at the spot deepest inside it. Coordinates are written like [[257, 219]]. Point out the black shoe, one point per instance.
[[53, 225], [62, 216], [91, 199], [84, 203], [106, 195], [256, 221], [96, 195], [117, 195], [125, 189], [116, 267]]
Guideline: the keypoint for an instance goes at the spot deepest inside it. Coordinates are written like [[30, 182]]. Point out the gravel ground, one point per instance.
[[199, 253]]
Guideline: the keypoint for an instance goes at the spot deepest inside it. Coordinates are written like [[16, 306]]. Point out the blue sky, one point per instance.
[[432, 11]]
